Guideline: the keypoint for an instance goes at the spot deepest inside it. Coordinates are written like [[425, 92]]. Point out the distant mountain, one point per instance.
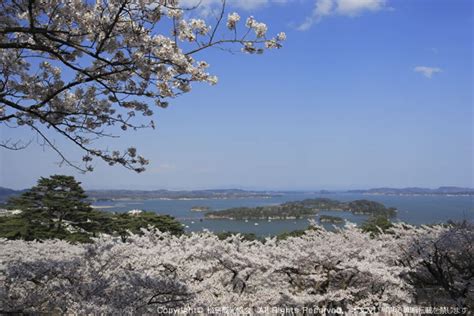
[[97, 195], [176, 195], [6, 193], [446, 190]]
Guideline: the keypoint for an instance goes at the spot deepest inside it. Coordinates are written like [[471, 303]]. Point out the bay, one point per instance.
[[417, 210]]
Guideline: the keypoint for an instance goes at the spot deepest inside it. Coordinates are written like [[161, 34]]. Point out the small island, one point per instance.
[[331, 219], [200, 209], [303, 209]]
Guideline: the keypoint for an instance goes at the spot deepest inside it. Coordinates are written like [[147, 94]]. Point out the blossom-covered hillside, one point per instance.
[[345, 270]]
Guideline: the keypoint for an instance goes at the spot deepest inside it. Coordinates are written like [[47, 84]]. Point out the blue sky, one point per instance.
[[365, 93]]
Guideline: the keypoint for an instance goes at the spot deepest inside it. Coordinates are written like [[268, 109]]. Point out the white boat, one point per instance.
[[256, 224]]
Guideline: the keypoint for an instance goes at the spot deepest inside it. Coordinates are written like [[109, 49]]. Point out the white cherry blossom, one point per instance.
[[344, 269], [79, 68]]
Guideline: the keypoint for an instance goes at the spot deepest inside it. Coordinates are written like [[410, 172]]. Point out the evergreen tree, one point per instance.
[[57, 207], [48, 206]]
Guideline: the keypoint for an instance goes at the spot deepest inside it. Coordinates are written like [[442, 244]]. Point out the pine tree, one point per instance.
[[50, 205]]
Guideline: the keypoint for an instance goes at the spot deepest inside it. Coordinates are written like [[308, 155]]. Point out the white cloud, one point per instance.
[[356, 7], [428, 72], [324, 7], [341, 7]]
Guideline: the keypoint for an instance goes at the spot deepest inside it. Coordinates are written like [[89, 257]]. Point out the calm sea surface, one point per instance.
[[411, 209]]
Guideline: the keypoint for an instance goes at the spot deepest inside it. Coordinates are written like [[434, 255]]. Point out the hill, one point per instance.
[[6, 193], [445, 190], [304, 208]]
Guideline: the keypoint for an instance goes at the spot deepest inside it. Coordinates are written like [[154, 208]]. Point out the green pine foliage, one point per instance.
[[57, 207], [374, 225]]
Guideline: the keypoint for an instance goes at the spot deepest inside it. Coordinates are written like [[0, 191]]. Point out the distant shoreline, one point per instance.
[[94, 200], [227, 194], [416, 194], [122, 199]]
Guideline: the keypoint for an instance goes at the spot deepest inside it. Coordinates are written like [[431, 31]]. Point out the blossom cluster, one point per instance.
[[344, 270], [82, 67]]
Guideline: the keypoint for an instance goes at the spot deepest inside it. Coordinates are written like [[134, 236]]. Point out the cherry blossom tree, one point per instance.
[[442, 266], [346, 270], [83, 70]]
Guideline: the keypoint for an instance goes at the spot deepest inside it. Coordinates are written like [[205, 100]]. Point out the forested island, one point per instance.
[[304, 208], [200, 209]]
